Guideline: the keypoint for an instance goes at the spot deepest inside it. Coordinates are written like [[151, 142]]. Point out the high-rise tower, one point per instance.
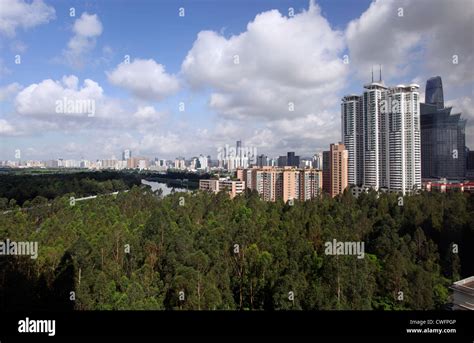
[[352, 137], [443, 136], [434, 92], [381, 132]]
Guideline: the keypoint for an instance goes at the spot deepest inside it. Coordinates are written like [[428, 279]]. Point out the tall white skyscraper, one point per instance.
[[352, 131], [372, 137], [404, 153], [381, 131]]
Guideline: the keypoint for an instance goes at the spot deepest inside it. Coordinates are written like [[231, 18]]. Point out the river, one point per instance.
[[163, 186]]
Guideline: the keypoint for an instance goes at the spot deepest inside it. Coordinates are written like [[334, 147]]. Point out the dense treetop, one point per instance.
[[138, 250]]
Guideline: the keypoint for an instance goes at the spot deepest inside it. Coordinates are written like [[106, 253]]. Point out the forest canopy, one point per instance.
[[201, 251]]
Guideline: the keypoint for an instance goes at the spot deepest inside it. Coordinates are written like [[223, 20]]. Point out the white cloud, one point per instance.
[[146, 119], [86, 30], [7, 92], [145, 79], [426, 37], [147, 113], [280, 60], [88, 25], [35, 108], [6, 129], [16, 14], [168, 144], [40, 100]]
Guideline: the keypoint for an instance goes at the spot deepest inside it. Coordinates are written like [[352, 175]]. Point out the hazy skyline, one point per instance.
[[235, 67]]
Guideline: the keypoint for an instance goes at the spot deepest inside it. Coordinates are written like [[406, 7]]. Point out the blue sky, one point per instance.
[[162, 34], [282, 59]]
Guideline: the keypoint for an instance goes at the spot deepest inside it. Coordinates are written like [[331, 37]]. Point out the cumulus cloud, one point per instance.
[[86, 29], [145, 79], [279, 67], [169, 144], [7, 92], [16, 14], [41, 99], [6, 129], [147, 113], [252, 78], [88, 25], [404, 35], [68, 105]]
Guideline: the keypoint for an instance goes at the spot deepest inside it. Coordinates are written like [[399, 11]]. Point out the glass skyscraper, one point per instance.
[[443, 136], [434, 92]]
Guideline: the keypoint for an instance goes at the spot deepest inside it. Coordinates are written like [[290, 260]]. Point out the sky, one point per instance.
[[168, 78]]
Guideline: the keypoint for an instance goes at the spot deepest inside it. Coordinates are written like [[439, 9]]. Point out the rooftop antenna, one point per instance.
[[372, 74], [380, 70]]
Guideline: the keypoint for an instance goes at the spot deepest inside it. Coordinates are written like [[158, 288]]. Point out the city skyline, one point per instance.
[[159, 98]]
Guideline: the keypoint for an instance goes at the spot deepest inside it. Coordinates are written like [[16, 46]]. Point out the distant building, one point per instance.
[[326, 172], [470, 160], [108, 164], [121, 165], [202, 162], [234, 188], [231, 158], [434, 92], [287, 183], [463, 294], [52, 164], [470, 164], [305, 163], [338, 163], [209, 185], [137, 163], [445, 186], [311, 184], [126, 154], [443, 137], [142, 164], [318, 160], [282, 161], [180, 163], [292, 160], [262, 161], [238, 146], [85, 164]]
